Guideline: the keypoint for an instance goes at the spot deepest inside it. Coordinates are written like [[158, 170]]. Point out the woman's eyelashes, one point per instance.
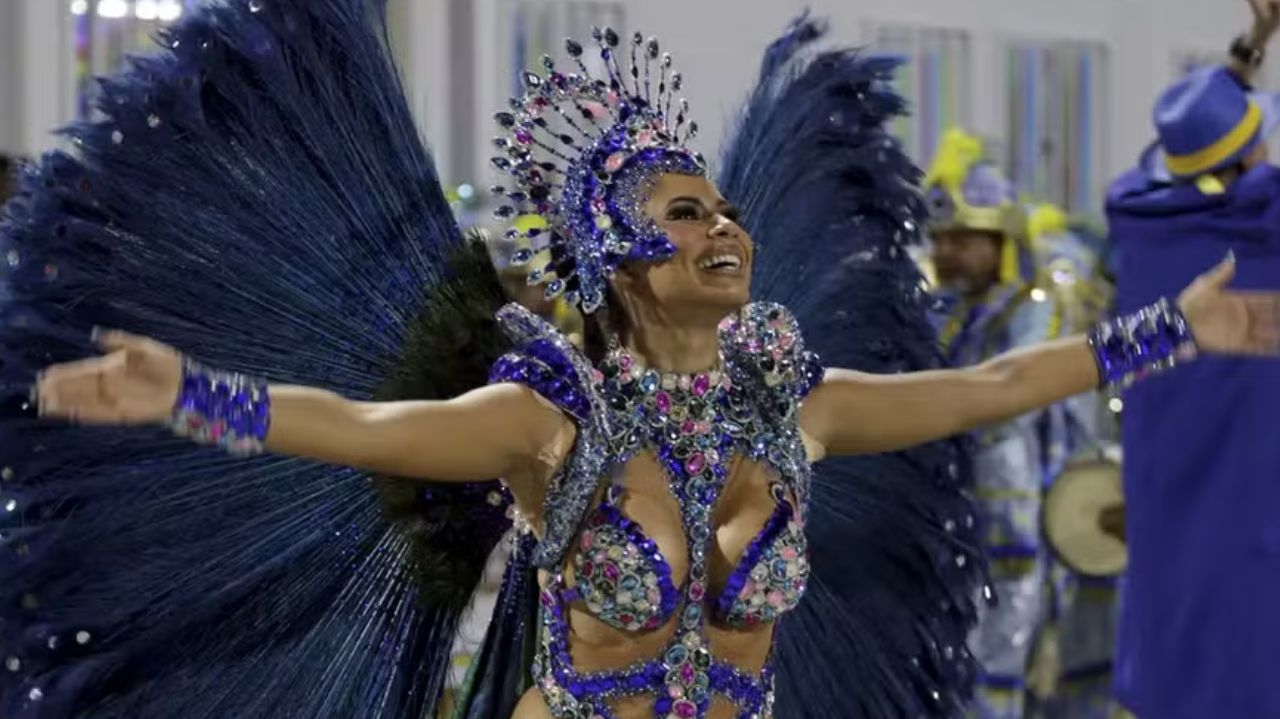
[[684, 211], [694, 211]]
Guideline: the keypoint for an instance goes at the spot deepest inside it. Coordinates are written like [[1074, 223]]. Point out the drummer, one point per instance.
[[987, 274], [1200, 616]]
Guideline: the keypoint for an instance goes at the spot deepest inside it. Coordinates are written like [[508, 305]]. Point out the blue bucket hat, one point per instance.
[[1207, 121]]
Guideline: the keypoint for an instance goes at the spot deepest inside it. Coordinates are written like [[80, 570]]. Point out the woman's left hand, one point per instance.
[[1231, 322]]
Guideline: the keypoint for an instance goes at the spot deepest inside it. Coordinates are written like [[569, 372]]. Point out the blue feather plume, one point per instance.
[[832, 203], [255, 194]]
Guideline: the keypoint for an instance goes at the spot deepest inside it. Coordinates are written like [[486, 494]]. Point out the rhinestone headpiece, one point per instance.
[[583, 152]]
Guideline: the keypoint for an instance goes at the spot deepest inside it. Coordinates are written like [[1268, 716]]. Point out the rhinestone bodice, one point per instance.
[[694, 425]]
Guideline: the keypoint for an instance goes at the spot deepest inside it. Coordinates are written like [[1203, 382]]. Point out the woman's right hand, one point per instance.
[[135, 381]]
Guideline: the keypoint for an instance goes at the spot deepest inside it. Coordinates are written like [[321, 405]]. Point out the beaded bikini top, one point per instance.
[[695, 425]]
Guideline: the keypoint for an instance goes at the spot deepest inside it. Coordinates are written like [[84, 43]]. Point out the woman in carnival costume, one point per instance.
[[257, 195]]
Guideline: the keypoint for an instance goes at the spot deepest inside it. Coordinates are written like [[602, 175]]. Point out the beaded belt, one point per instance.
[[574, 695]]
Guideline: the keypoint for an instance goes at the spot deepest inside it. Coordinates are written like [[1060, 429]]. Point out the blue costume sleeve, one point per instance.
[[832, 203]]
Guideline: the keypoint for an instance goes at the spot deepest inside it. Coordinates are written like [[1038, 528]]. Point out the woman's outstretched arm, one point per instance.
[[857, 413], [491, 432]]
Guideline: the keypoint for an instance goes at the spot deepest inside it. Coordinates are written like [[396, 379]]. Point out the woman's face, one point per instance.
[[711, 270]]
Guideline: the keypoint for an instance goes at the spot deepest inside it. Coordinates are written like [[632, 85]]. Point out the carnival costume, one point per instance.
[[1016, 459], [1199, 609], [257, 195]]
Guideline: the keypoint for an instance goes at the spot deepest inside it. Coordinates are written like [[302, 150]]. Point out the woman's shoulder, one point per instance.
[[763, 346], [543, 359]]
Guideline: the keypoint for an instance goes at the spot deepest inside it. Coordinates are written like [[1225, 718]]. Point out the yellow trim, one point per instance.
[[1210, 185], [1046, 219], [1204, 160], [1010, 262], [954, 324], [1057, 316]]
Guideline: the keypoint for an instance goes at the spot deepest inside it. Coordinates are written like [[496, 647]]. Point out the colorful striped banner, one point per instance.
[[1056, 127], [935, 82]]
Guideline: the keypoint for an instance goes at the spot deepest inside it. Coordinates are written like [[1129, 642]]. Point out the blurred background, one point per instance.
[[1061, 90]]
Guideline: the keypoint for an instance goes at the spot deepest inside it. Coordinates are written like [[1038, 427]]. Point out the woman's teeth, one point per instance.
[[721, 263]]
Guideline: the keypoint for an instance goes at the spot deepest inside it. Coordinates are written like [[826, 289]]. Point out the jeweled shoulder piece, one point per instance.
[[763, 343], [545, 360], [583, 152]]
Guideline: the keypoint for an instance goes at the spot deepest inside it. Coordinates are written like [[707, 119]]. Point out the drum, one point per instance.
[[1073, 511]]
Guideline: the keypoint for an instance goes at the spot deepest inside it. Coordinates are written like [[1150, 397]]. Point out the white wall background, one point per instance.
[[454, 53], [36, 66], [717, 44]]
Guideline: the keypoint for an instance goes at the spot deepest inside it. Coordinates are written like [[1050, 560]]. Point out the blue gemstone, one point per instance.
[[649, 383], [676, 655]]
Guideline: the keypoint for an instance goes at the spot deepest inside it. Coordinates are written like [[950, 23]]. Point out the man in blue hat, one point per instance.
[[1200, 617]]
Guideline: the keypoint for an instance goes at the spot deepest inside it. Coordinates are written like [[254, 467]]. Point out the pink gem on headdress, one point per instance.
[[685, 709], [524, 137], [645, 137], [625, 362], [614, 163], [688, 427]]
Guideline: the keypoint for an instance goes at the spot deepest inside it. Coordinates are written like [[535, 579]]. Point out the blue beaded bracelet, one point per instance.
[[222, 409], [1132, 346]]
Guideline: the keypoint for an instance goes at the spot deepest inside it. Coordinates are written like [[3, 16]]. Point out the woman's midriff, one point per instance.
[[598, 647]]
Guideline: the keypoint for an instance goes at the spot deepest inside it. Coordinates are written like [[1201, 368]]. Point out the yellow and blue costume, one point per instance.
[[1019, 458]]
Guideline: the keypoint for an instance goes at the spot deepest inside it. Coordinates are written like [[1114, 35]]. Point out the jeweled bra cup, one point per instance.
[[621, 575], [622, 578]]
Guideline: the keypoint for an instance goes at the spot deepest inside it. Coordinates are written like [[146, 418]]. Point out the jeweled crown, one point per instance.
[[583, 152]]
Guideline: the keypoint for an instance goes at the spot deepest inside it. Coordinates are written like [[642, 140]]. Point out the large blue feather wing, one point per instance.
[[831, 201], [257, 195]]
